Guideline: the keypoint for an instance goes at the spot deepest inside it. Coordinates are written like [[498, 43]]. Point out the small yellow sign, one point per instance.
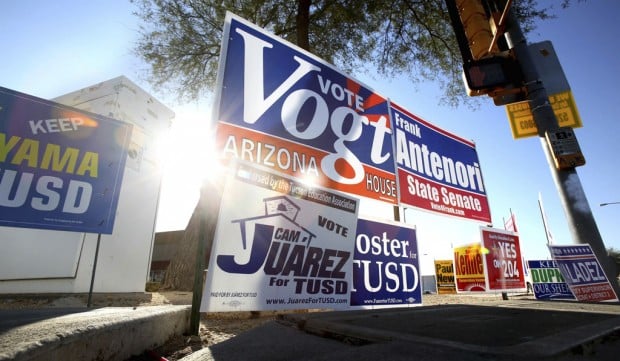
[[444, 272], [522, 121]]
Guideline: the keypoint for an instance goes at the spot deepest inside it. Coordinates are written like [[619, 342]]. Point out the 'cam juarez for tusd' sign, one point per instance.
[[280, 244], [60, 168]]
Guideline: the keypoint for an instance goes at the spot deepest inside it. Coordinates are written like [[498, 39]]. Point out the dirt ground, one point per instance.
[[214, 327]]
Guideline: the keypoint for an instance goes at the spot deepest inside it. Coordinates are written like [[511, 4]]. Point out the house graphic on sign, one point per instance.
[[282, 213]]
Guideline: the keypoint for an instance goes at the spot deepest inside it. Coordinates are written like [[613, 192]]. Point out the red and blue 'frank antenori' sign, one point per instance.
[[437, 171], [285, 109]]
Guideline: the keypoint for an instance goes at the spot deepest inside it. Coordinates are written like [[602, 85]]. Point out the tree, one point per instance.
[[614, 254], [180, 40], [182, 268]]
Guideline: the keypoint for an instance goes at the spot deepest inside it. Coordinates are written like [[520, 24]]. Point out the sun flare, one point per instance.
[[188, 159]]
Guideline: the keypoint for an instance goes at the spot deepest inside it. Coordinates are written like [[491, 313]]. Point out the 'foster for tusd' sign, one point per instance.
[[285, 109], [385, 265]]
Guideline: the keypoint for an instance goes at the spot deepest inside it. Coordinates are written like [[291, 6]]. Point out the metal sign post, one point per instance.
[[92, 279], [579, 216]]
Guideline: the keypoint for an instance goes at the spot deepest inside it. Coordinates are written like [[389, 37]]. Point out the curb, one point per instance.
[[110, 333]]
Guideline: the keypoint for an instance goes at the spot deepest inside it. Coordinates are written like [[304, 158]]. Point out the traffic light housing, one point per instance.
[[477, 28], [488, 65], [489, 73]]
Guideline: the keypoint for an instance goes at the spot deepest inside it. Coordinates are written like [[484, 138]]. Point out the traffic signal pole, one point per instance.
[[579, 216]]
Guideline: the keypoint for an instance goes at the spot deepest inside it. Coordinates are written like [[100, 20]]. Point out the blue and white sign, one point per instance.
[[437, 170], [283, 108], [385, 266], [583, 273], [60, 168], [280, 244], [548, 282]]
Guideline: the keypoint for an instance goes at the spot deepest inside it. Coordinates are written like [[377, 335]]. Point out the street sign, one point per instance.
[[522, 121], [565, 148], [552, 76]]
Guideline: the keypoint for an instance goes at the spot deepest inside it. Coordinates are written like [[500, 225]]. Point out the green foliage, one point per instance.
[[180, 39]]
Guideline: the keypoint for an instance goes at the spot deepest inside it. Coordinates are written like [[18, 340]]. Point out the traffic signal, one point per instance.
[[488, 65], [489, 73], [477, 28]]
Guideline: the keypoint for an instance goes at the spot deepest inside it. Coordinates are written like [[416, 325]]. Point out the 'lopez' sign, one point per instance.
[[583, 273]]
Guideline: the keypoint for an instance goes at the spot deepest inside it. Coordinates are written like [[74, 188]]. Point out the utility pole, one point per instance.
[[497, 62], [579, 216]]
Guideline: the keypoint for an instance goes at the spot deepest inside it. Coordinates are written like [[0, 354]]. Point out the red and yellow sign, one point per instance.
[[469, 268]]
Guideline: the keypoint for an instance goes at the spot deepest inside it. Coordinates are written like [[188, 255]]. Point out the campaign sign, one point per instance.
[[548, 282], [504, 269], [283, 108], [385, 265], [444, 273], [469, 268], [280, 244], [583, 273], [437, 171], [60, 168]]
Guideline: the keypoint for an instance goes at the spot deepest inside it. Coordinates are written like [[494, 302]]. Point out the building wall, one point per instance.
[[164, 249], [42, 261], [429, 284]]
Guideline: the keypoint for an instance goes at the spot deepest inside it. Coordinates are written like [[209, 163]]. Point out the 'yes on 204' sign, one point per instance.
[[503, 266]]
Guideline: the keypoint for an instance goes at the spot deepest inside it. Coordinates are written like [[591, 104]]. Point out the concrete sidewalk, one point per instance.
[[523, 330]]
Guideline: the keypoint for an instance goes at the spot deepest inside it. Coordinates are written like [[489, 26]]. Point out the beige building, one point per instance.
[[44, 261]]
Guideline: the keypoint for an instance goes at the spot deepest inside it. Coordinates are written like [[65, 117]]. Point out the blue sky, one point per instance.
[[50, 48]]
